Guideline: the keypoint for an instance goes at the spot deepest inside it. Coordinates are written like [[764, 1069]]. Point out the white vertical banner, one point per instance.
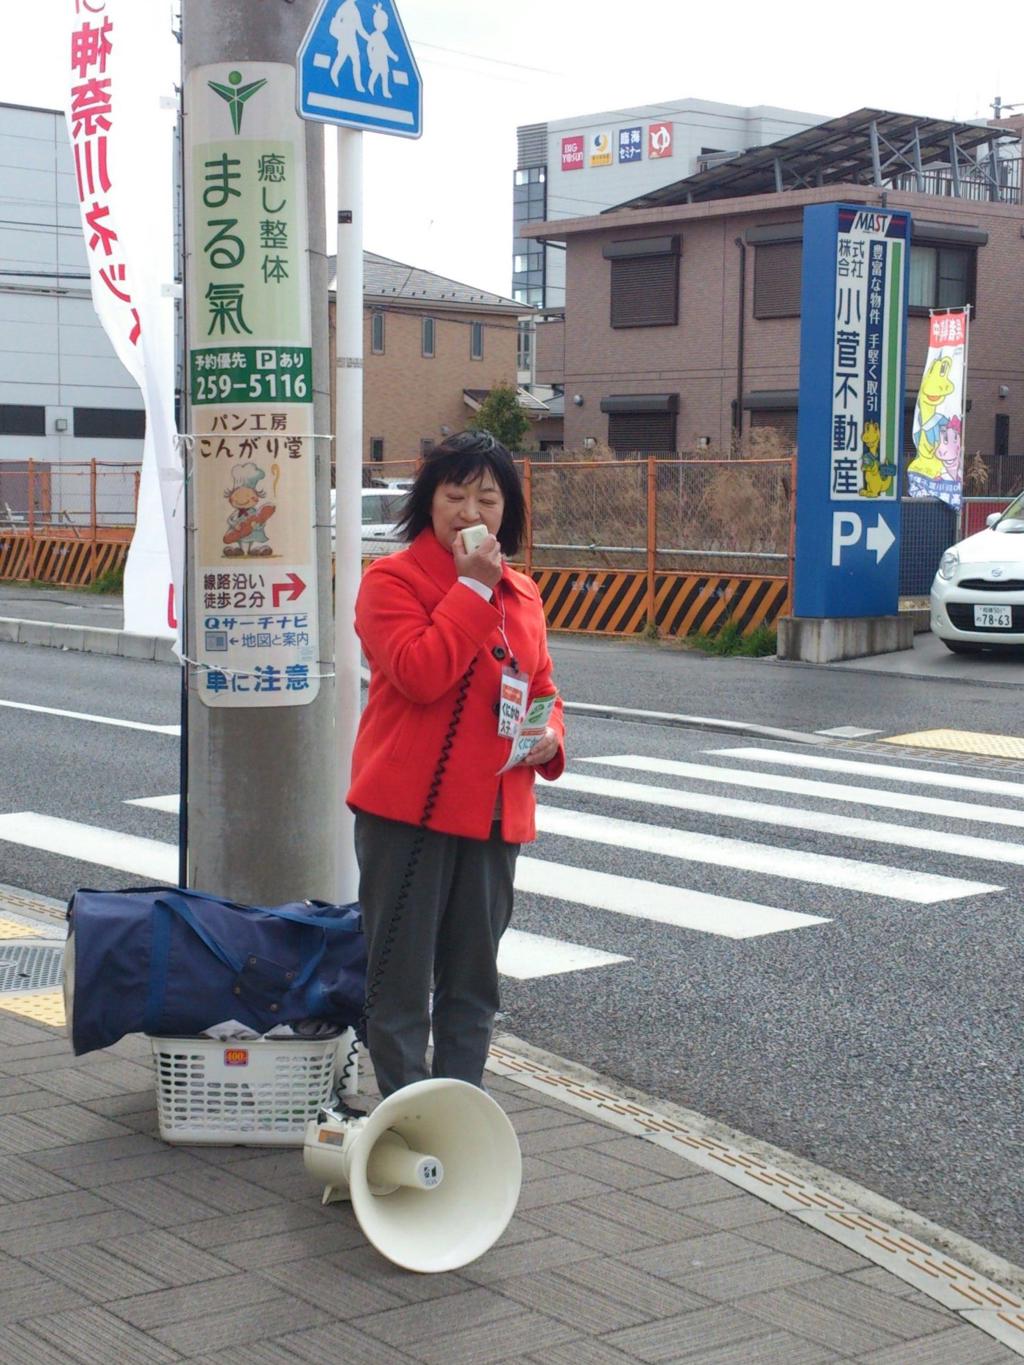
[[121, 112], [937, 469]]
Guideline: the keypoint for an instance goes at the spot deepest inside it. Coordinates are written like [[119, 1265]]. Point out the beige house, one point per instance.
[[432, 350]]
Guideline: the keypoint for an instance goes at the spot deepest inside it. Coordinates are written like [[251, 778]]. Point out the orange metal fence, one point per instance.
[[615, 546], [65, 523], [680, 546]]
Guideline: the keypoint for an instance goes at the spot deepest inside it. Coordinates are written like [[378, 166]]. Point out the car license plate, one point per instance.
[[998, 618]]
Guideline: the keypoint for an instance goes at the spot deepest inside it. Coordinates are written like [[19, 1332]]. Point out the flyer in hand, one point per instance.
[[532, 729]]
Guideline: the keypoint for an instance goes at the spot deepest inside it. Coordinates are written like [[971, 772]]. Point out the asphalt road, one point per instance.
[[880, 1039]]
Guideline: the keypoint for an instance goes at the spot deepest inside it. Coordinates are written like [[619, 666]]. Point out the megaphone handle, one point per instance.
[[434, 791]]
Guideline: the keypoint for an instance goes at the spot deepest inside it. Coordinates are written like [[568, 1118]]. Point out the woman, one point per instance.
[[446, 633]]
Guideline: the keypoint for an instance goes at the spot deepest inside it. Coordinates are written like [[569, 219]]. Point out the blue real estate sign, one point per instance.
[[356, 69], [850, 424]]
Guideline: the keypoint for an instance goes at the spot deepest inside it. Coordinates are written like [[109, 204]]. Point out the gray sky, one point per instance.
[[444, 202]]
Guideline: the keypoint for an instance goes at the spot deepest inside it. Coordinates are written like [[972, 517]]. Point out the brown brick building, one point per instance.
[[432, 348], [682, 326]]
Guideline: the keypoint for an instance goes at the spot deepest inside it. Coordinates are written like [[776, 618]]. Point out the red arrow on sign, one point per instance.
[[294, 587]]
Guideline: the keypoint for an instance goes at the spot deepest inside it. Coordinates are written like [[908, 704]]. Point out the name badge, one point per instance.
[[512, 703]]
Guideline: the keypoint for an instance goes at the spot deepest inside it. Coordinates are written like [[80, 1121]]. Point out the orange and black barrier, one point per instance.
[[617, 602], [60, 557]]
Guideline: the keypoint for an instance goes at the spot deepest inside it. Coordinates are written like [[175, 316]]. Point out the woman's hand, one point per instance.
[[544, 750], [484, 563]]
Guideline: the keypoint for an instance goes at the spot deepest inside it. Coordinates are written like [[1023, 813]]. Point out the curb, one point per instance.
[[679, 722], [984, 1290], [87, 639]]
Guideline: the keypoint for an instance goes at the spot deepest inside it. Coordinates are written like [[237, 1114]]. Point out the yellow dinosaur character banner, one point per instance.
[[937, 469]]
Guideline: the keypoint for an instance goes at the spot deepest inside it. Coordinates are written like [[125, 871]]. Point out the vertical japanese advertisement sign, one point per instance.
[[251, 388], [849, 431], [121, 112], [631, 147], [937, 469], [572, 153]]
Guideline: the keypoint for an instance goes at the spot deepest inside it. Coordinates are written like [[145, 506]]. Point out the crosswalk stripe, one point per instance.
[[526, 956], [522, 955], [170, 804], [887, 772], [791, 817], [148, 858], [822, 869], [158, 862], [824, 791], [673, 905], [920, 888], [96, 720]]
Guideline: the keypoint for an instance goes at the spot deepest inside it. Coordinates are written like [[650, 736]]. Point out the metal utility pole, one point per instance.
[[259, 630]]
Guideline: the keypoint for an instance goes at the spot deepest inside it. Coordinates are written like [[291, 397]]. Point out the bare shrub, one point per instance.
[[977, 475]]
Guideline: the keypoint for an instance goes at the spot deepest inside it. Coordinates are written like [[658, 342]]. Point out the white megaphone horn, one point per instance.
[[433, 1173]]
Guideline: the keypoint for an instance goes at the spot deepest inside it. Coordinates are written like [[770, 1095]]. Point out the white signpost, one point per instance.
[[356, 70]]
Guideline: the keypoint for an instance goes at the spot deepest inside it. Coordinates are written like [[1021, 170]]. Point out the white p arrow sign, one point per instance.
[[846, 529], [880, 539]]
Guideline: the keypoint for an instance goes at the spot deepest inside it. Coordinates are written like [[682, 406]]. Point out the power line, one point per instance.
[[482, 57]]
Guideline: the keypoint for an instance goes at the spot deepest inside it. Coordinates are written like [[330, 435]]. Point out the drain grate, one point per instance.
[[29, 967]]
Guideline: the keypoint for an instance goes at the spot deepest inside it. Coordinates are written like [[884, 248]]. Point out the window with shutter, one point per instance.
[[781, 420], [644, 281], [777, 267], [645, 292], [642, 433]]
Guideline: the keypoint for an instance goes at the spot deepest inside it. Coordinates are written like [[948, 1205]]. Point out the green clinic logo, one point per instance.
[[235, 94]]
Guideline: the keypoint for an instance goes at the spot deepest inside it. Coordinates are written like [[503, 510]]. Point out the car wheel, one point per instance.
[[958, 647]]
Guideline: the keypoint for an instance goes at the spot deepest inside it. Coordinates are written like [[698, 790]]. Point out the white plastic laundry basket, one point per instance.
[[257, 1093]]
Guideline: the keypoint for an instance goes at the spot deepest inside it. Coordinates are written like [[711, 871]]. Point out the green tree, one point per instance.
[[501, 415]]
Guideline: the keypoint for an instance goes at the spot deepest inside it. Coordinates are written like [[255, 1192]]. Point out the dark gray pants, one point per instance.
[[457, 906]]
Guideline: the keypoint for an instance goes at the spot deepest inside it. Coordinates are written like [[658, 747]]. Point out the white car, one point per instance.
[[977, 599], [381, 509]]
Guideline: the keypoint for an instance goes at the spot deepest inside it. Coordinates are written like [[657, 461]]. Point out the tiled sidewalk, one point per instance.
[[119, 1248]]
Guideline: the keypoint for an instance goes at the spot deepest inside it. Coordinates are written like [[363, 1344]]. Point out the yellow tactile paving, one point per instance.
[[11, 928], [45, 1007], [963, 742]]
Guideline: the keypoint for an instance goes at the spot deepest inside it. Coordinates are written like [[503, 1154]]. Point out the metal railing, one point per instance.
[[65, 522]]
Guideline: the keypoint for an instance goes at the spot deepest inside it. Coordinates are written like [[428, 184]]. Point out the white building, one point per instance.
[[573, 167], [65, 398]]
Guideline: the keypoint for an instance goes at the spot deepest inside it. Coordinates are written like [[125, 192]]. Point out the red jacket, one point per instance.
[[420, 629]]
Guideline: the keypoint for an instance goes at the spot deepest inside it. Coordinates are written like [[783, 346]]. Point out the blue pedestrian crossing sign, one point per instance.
[[356, 68]]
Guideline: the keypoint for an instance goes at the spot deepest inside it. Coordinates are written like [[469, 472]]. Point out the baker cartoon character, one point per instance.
[[245, 533]]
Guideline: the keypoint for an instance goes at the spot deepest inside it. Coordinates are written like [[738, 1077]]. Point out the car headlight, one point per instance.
[[948, 564]]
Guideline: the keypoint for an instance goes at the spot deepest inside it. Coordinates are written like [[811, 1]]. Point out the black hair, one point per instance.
[[461, 458]]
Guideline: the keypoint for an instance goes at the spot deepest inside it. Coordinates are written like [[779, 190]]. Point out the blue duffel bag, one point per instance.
[[176, 962]]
